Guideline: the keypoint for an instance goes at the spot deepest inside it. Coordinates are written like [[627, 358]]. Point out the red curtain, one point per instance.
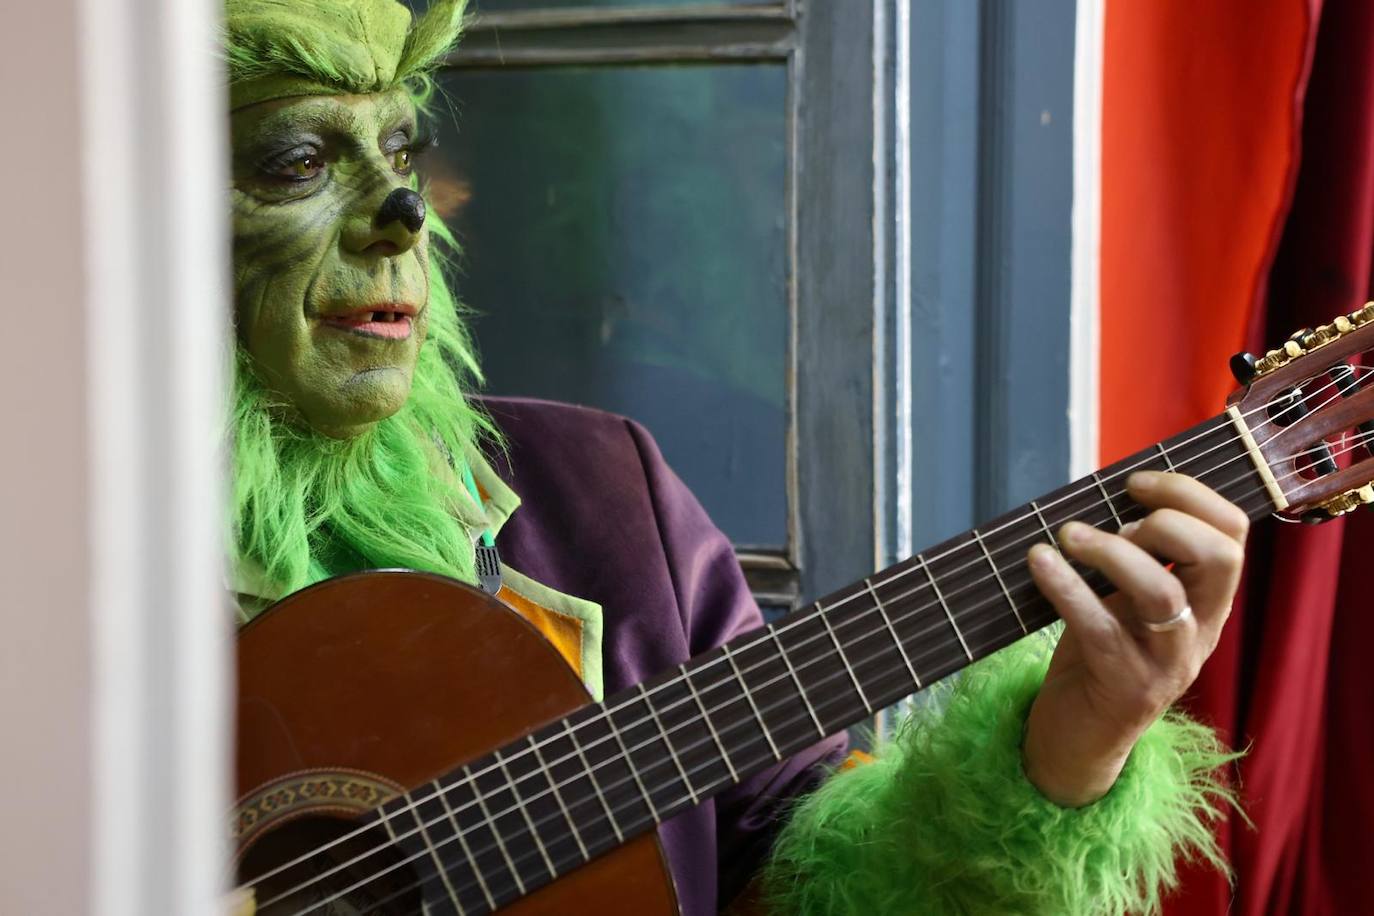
[[1238, 206], [1314, 850]]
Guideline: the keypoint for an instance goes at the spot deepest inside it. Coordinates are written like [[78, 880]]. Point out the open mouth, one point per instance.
[[389, 323]]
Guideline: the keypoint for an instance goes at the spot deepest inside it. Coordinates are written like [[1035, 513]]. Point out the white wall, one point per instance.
[[44, 638], [115, 645]]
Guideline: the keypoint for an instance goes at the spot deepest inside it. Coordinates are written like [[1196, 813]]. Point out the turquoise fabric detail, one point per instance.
[[487, 538]]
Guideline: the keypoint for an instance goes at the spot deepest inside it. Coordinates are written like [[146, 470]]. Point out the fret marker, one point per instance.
[[1006, 593], [796, 680], [1107, 497], [625, 752], [558, 797], [500, 843], [429, 845], [820, 612], [667, 743], [934, 585], [709, 724], [524, 812], [893, 630], [1054, 542], [463, 840], [763, 726], [591, 775], [1169, 462]]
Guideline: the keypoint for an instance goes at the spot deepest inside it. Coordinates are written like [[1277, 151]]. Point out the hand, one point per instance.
[[1110, 677]]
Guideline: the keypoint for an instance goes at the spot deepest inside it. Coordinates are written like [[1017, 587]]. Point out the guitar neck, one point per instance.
[[582, 786]]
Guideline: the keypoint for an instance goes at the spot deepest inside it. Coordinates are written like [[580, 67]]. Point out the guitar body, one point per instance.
[[360, 687]]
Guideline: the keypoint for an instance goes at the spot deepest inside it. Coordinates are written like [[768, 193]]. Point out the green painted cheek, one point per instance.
[[290, 270]]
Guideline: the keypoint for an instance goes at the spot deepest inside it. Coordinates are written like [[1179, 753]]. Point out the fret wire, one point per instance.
[[463, 840], [1160, 446], [558, 797], [429, 845], [1107, 498], [820, 612], [634, 770], [524, 811], [591, 775], [887, 621], [666, 743], [495, 831], [1167, 460], [928, 571], [705, 717], [1049, 534], [980, 626], [935, 586], [970, 631], [997, 573], [749, 696], [772, 632], [928, 574]]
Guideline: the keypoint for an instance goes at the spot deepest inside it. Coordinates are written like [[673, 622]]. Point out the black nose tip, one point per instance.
[[405, 205]]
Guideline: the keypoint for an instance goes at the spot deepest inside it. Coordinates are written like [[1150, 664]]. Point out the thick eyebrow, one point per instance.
[[293, 125]]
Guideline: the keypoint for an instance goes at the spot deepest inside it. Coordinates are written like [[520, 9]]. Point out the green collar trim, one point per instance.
[[254, 593]]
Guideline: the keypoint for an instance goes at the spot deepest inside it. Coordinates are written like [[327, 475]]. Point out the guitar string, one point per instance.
[[759, 743], [521, 779], [823, 705], [854, 641], [838, 675], [1112, 477], [1222, 424]]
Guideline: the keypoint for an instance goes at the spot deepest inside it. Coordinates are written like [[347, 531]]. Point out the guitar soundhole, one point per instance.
[[334, 862]]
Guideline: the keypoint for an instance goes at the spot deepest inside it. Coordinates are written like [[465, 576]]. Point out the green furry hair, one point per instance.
[[350, 46], [944, 820], [305, 506]]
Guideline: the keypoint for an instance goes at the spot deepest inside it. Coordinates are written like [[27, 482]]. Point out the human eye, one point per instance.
[[403, 152], [297, 165]]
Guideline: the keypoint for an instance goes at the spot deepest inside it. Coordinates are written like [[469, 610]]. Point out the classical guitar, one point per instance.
[[408, 744]]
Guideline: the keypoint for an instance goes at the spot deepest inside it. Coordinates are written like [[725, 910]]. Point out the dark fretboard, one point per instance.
[[520, 817]]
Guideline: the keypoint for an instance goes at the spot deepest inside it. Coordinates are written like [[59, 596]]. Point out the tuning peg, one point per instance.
[[1243, 367]]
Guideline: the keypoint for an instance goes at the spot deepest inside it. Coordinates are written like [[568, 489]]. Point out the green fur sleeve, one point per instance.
[[944, 821]]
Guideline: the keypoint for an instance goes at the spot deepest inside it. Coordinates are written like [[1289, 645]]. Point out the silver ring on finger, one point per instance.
[[1173, 623]]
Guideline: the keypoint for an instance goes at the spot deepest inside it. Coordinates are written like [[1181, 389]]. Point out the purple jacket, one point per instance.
[[603, 517]]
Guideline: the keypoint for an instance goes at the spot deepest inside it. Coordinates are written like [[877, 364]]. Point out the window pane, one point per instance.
[[625, 247]]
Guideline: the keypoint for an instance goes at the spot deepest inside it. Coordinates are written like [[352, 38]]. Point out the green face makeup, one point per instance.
[[331, 288]]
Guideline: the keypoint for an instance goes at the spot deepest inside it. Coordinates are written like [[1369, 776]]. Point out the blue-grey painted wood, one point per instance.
[[834, 335], [1026, 200], [991, 201], [944, 236]]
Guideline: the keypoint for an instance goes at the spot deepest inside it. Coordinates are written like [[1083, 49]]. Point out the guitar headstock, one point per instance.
[[1309, 408]]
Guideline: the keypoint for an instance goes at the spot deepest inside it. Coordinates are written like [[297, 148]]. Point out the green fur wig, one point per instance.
[[305, 506], [945, 821]]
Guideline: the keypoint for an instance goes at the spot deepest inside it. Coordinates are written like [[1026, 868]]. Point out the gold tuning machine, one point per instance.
[[1340, 505], [1247, 368]]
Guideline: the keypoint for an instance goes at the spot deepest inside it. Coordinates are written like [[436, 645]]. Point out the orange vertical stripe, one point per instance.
[[1199, 145]]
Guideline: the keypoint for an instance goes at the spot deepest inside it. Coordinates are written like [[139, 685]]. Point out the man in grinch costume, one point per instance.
[[1038, 785]]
